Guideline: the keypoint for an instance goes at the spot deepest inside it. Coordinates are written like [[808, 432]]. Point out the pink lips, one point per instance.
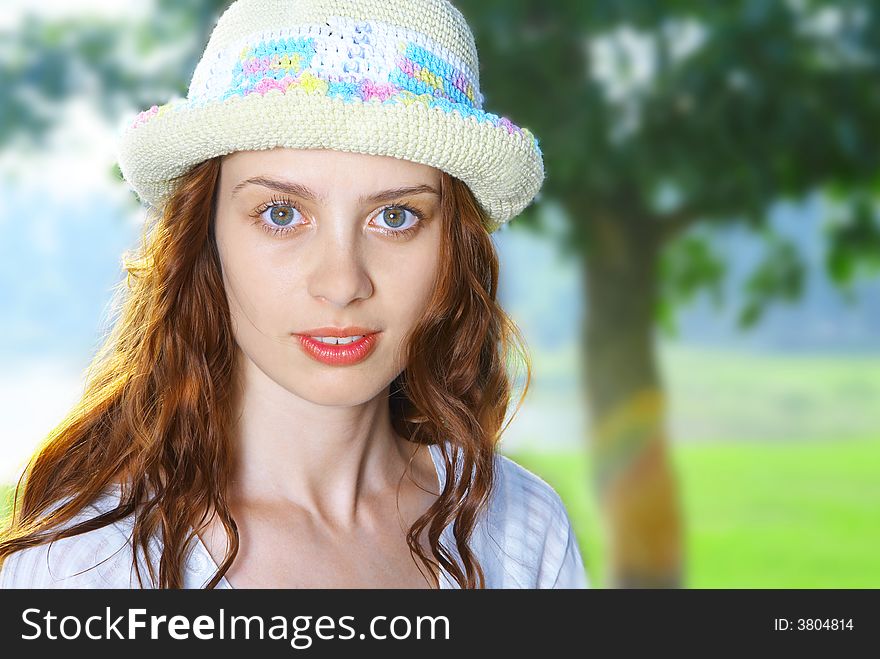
[[339, 355]]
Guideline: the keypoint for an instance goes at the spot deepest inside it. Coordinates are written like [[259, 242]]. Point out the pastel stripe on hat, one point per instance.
[[338, 59]]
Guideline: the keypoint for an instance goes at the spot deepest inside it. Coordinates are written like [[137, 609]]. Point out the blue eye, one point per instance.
[[281, 215], [395, 218], [278, 217]]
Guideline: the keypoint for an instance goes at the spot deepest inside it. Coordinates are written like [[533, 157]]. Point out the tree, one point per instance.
[[655, 119]]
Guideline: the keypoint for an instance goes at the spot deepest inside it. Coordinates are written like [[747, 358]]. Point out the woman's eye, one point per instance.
[[397, 218], [280, 216]]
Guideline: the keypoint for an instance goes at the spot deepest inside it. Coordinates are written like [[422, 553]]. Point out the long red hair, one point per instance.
[[159, 394]]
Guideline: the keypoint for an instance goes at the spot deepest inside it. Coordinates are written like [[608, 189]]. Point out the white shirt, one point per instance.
[[523, 540]]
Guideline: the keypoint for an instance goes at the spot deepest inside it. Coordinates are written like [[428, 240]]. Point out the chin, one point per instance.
[[337, 400], [337, 390]]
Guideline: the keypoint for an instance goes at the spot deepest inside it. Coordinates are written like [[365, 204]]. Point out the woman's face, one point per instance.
[[319, 238]]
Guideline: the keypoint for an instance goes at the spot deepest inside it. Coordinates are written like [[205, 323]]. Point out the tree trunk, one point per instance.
[[633, 477]]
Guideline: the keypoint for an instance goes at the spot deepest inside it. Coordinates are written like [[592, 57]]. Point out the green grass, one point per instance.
[[724, 394], [727, 394], [6, 492], [757, 515]]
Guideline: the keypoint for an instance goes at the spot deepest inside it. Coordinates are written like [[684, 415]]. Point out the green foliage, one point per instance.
[[854, 239], [739, 102], [780, 275], [687, 267], [727, 107]]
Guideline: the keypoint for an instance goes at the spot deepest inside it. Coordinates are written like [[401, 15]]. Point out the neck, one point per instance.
[[324, 459]]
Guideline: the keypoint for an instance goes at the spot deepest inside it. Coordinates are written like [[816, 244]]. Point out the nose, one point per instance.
[[338, 272]]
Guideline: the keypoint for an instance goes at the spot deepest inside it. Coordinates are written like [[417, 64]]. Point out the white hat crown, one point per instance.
[[389, 77]]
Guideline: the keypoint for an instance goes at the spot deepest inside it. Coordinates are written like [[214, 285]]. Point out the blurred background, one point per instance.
[[699, 281]]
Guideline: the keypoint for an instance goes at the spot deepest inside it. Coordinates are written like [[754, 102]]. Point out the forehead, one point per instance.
[[324, 169]]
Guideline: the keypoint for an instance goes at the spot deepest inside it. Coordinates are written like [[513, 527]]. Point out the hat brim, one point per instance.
[[503, 167]]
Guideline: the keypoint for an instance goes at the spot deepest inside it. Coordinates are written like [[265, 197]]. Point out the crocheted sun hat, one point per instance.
[[387, 77]]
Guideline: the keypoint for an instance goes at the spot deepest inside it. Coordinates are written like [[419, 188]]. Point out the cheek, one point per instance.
[[410, 283], [253, 283]]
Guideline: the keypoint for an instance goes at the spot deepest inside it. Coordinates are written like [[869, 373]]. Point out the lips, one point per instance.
[[338, 331], [339, 355]]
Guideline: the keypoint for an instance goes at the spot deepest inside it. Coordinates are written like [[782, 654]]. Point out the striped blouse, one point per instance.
[[524, 539]]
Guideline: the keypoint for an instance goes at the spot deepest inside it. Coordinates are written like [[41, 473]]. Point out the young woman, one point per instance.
[[307, 381]]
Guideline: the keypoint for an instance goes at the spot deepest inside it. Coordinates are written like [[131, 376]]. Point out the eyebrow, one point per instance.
[[293, 188]]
